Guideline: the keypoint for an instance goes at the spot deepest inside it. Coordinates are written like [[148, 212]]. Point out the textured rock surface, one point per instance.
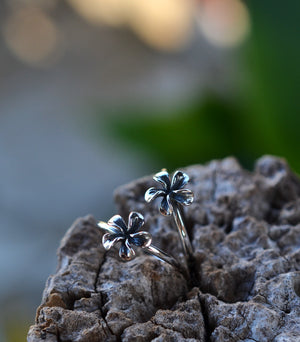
[[244, 282]]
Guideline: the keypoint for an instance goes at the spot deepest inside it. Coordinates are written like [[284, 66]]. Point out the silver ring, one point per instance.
[[128, 235], [173, 197]]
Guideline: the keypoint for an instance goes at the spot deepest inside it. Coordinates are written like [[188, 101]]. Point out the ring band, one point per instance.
[[185, 240], [160, 255], [173, 197]]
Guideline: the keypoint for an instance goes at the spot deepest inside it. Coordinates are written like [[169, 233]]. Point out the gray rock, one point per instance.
[[183, 323], [244, 282]]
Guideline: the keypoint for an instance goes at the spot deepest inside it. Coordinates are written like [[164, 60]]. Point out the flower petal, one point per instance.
[[117, 222], [163, 178], [179, 180], [165, 206], [153, 193], [183, 196], [126, 252], [108, 240], [105, 226], [141, 239], [135, 222]]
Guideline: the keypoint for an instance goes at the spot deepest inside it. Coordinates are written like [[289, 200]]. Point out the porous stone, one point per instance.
[[244, 279]]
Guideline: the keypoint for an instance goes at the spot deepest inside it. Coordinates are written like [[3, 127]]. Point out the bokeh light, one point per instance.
[[97, 12], [167, 24], [32, 36], [224, 23], [163, 24]]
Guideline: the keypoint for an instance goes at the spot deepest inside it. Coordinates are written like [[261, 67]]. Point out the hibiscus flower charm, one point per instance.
[[173, 197], [117, 231], [172, 192]]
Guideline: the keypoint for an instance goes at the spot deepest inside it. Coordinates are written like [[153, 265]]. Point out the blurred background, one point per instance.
[[96, 93]]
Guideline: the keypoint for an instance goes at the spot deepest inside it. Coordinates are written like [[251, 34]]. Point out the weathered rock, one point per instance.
[[183, 323], [244, 282]]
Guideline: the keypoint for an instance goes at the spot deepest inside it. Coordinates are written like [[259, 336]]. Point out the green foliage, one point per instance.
[[208, 129], [264, 117], [271, 96]]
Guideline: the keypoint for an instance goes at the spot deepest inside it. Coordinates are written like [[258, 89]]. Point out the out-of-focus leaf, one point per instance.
[[208, 129], [271, 96]]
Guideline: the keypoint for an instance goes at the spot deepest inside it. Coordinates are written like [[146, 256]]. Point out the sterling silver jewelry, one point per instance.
[[128, 235], [173, 196]]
